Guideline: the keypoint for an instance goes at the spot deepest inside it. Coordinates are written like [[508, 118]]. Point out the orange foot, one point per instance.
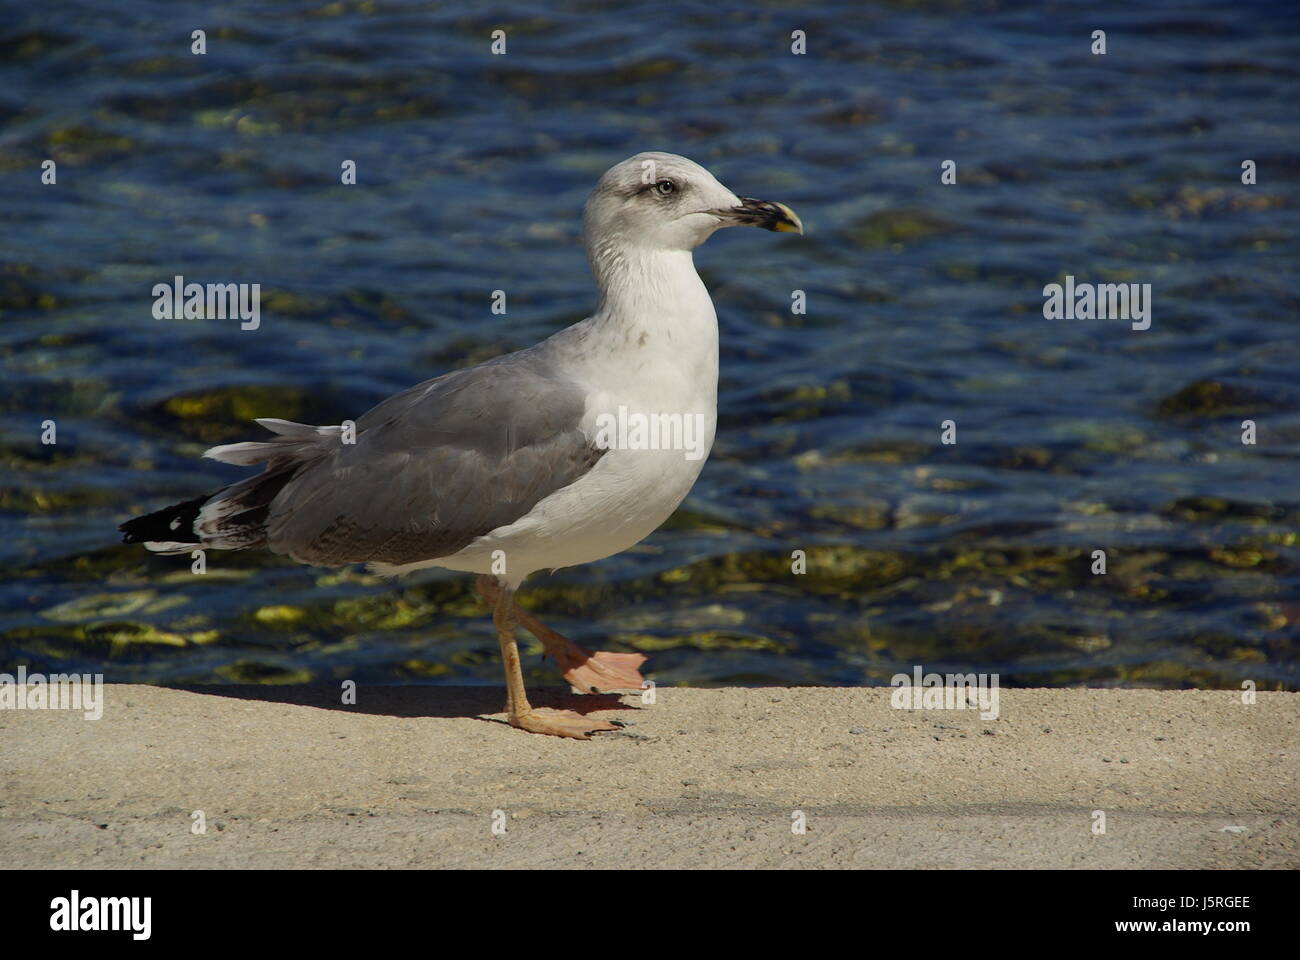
[[601, 671], [587, 672], [559, 723]]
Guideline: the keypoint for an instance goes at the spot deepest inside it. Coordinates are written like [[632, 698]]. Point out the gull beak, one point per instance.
[[760, 213]]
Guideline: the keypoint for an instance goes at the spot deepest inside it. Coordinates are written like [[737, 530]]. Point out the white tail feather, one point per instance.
[[244, 454], [286, 428], [297, 431], [291, 436], [168, 546]]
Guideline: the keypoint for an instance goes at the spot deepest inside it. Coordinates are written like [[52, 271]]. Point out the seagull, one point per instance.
[[515, 465]]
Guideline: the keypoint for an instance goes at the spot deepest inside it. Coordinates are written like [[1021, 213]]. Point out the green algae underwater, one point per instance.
[[924, 304]]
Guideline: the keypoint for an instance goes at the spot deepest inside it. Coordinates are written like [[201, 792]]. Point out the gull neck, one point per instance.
[[648, 285]]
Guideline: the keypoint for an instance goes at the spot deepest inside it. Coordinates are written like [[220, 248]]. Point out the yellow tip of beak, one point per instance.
[[791, 223]]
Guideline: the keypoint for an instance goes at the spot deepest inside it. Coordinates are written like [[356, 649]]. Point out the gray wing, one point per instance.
[[436, 466]]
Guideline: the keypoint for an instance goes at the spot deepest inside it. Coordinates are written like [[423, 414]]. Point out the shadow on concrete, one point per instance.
[[414, 701]]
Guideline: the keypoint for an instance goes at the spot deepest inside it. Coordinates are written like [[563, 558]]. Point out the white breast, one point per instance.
[[663, 364]]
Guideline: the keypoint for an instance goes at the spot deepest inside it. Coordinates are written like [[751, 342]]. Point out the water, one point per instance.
[[924, 305]]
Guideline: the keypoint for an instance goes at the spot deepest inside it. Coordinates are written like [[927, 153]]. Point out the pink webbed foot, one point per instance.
[[601, 671], [559, 723], [587, 672]]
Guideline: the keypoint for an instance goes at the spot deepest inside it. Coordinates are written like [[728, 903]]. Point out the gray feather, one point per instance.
[[433, 467]]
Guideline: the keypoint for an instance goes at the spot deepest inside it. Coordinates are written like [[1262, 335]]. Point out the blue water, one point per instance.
[[924, 305]]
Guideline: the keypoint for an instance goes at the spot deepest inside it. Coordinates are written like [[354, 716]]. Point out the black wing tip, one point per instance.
[[163, 524]]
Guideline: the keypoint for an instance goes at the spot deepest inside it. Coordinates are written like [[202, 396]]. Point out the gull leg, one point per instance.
[[519, 712], [587, 672]]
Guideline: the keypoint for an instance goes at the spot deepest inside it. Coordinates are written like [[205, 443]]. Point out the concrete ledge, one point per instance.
[[410, 777]]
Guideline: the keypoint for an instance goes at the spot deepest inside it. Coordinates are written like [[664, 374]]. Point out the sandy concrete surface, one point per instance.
[[411, 777]]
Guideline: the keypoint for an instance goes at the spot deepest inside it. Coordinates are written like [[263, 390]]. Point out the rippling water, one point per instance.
[[924, 305]]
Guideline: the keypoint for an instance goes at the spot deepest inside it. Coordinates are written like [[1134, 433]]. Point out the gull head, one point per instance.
[[660, 201]]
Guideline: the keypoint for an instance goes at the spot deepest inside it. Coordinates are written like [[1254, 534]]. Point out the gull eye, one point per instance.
[[665, 188]]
